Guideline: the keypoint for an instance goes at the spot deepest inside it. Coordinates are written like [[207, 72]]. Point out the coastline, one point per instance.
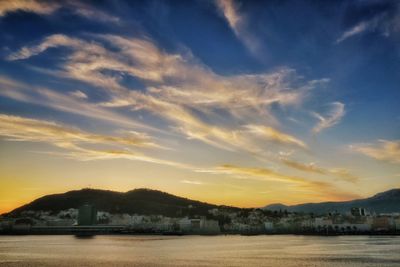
[[122, 230]]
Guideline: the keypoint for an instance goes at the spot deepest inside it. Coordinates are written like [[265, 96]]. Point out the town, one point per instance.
[[88, 221]]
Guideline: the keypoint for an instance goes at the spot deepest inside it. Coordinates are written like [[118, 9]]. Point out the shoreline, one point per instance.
[[138, 233]]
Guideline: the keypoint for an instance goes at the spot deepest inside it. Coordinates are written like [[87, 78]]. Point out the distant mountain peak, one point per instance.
[[387, 201], [393, 193]]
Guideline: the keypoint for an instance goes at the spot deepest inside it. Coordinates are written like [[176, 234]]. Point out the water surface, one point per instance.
[[123, 250]]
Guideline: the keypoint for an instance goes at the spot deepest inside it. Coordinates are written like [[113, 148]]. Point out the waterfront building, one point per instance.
[[87, 215], [351, 227], [199, 225], [120, 219], [60, 222], [383, 223], [269, 226], [359, 212], [397, 223]]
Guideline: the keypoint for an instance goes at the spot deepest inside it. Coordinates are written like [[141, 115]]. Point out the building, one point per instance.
[[383, 223], [359, 212], [201, 225], [351, 227], [397, 223], [61, 222], [120, 219], [269, 226], [87, 215]]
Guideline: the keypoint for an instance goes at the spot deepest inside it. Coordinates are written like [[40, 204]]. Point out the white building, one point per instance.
[[269, 226], [120, 219], [201, 225], [397, 223]]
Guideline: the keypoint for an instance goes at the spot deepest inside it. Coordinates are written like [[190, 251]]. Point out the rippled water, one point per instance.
[[283, 250]]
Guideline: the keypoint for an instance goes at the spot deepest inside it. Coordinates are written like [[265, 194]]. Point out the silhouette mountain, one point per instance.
[[385, 202], [147, 202], [138, 201]]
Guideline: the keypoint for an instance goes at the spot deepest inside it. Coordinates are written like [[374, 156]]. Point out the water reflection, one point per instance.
[[200, 251]]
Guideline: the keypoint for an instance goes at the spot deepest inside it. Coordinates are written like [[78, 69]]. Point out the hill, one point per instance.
[[147, 202], [384, 202], [139, 201]]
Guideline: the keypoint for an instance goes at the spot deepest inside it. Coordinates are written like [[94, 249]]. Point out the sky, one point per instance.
[[242, 103]]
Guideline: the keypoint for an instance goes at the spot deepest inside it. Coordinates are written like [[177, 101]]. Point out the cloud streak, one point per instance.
[[192, 182], [275, 135], [385, 22], [77, 144], [233, 113], [64, 102], [357, 29], [332, 118], [179, 87], [26, 129], [341, 173], [49, 7], [238, 24], [384, 150], [34, 6], [264, 174], [170, 104]]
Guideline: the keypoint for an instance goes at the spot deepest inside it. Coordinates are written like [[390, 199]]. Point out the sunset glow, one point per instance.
[[242, 103]]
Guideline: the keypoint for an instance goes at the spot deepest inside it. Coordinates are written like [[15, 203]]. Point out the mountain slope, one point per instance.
[[140, 201], [388, 201], [147, 201]]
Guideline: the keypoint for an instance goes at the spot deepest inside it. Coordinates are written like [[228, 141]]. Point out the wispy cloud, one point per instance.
[[34, 6], [49, 42], [83, 9], [329, 190], [332, 118], [180, 88], [239, 24], [49, 7], [261, 173], [162, 95], [192, 182], [79, 94], [77, 144], [385, 22], [341, 173], [188, 82], [344, 174], [275, 135], [186, 94], [26, 129], [357, 29], [231, 14], [385, 150], [64, 102], [311, 167]]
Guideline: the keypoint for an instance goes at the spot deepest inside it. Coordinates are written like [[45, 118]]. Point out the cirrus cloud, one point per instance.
[[333, 117], [180, 89], [49, 7], [34, 6], [384, 150], [239, 24], [321, 188], [77, 144], [272, 134]]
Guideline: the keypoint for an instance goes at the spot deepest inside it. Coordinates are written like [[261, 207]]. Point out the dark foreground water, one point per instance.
[[274, 251]]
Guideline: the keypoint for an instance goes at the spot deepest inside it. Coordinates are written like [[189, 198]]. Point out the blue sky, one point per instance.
[[226, 101]]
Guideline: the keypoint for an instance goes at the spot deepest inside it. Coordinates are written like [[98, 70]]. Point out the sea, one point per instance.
[[221, 250]]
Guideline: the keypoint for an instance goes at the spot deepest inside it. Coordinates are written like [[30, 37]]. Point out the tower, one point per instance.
[[87, 215]]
